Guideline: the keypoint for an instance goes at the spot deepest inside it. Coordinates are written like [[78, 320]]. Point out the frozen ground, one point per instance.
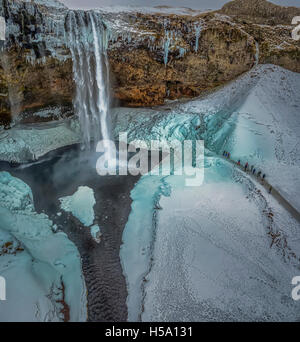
[[42, 268], [218, 256], [137, 239], [81, 205], [266, 130], [26, 143], [207, 253]]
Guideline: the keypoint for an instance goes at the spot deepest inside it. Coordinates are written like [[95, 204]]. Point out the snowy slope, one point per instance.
[[256, 118], [41, 268], [226, 250], [213, 262], [266, 130], [49, 3], [210, 255]]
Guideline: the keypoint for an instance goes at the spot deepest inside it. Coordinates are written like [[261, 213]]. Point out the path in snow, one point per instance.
[[280, 199]]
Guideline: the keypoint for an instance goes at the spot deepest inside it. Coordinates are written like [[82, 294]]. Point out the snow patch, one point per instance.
[[26, 143], [81, 205]]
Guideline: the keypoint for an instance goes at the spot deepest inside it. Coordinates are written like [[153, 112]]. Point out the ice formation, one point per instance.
[[81, 205], [22, 144], [2, 28], [198, 29], [167, 42], [42, 269], [51, 36]]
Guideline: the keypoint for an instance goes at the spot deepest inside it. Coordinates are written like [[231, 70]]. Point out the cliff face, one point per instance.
[[173, 56], [35, 65], [261, 11], [152, 56]]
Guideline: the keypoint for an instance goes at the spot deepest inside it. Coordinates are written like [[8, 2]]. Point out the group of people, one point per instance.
[[252, 169], [226, 154], [246, 167]]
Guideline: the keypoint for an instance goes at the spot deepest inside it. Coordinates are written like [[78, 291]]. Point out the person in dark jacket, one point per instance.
[[253, 171], [258, 173], [246, 166]]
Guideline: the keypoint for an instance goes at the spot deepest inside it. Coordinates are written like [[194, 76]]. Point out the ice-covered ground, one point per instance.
[[42, 268], [49, 3], [207, 253], [26, 143], [135, 252], [81, 205], [266, 130]]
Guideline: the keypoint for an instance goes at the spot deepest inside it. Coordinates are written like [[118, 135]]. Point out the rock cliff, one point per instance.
[[153, 55]]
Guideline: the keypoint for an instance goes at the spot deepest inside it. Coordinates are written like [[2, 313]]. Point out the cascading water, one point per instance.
[[88, 40]]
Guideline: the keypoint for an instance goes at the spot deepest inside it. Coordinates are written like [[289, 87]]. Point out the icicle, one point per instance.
[[167, 42], [182, 52], [198, 29], [256, 53]]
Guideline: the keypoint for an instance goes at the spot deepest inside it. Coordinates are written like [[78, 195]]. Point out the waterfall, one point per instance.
[[87, 39]]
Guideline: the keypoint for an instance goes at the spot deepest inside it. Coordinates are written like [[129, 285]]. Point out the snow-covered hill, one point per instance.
[[266, 130], [256, 118], [226, 250]]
